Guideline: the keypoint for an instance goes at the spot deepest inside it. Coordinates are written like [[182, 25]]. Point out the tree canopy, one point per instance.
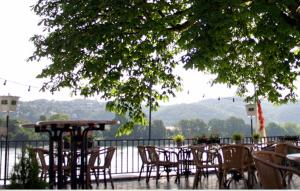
[[126, 51]]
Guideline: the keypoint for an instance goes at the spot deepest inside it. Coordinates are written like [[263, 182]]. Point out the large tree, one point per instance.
[[126, 50]]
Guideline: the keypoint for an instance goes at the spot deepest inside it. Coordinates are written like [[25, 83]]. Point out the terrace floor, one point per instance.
[[206, 183]]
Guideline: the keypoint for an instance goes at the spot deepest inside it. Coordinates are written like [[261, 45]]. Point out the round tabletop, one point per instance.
[[71, 123], [293, 157]]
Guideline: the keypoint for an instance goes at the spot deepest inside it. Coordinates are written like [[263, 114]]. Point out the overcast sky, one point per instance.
[[19, 23]]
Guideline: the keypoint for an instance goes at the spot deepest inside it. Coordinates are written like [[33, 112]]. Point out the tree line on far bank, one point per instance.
[[188, 127]]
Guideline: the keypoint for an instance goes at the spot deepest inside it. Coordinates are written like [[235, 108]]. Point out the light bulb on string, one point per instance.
[[4, 83], [29, 89]]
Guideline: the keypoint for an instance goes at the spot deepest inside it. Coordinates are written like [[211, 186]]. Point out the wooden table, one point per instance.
[[78, 130]]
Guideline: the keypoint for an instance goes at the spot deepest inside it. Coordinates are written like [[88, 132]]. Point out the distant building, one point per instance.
[[171, 128]]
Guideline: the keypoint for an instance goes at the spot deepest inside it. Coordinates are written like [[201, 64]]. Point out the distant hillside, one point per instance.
[[205, 110], [76, 109], [223, 109]]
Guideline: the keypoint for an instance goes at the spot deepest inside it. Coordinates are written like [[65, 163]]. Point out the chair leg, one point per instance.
[[168, 171], [147, 171], [43, 177], [220, 178], [142, 168], [177, 175], [196, 179], [111, 181], [104, 174], [157, 174], [149, 175], [96, 177]]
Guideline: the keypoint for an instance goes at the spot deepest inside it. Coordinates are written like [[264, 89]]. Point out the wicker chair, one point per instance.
[[237, 161], [145, 161], [272, 175], [41, 158], [204, 160], [163, 158], [41, 155], [271, 156], [286, 148], [92, 166]]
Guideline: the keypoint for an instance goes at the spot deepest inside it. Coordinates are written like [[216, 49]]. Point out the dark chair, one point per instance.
[[104, 166], [145, 161], [43, 154], [41, 158], [271, 174], [163, 158], [236, 161], [205, 160], [286, 148]]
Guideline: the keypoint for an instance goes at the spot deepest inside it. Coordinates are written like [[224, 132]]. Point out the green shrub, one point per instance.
[[255, 136], [237, 136], [178, 138], [25, 174]]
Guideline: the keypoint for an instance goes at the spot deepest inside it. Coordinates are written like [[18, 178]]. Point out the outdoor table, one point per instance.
[[78, 130], [295, 157], [185, 159], [294, 160]]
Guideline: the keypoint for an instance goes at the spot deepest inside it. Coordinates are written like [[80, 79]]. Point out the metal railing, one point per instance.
[[126, 159]]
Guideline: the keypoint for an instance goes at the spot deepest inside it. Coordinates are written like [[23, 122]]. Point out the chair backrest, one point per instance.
[[143, 153], [108, 157], [197, 152], [107, 153], [41, 154], [286, 148], [93, 155], [270, 174], [153, 155], [235, 156], [271, 156], [206, 157], [184, 153]]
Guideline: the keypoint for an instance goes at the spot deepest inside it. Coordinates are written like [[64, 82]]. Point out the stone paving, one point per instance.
[[186, 184]]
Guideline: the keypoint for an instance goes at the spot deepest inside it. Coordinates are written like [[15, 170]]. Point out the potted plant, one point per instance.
[[67, 141], [214, 139], [237, 138], [179, 138], [200, 139], [289, 138], [255, 138]]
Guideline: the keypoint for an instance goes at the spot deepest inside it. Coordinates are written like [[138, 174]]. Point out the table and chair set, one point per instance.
[[77, 164], [258, 166], [270, 167]]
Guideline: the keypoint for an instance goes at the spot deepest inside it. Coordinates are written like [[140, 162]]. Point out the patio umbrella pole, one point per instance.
[[6, 151], [251, 123], [150, 112]]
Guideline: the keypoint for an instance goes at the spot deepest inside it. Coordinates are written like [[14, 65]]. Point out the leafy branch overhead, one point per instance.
[[126, 51]]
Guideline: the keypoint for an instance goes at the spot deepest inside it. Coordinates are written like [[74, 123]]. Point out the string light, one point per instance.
[[233, 99], [5, 81]]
